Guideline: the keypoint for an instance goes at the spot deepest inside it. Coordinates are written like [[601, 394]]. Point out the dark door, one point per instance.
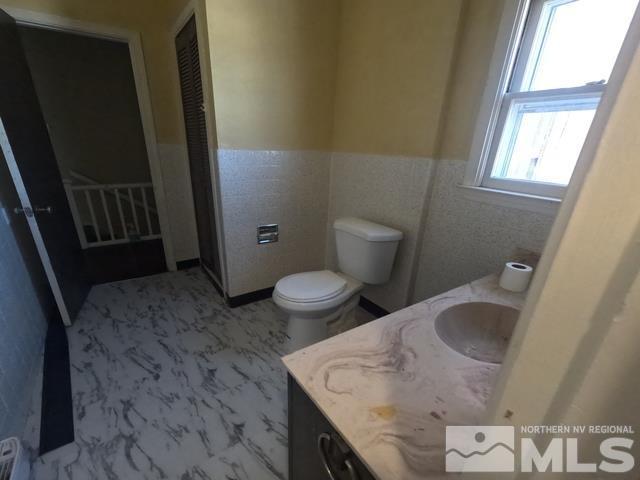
[[197, 145], [29, 156], [20, 229]]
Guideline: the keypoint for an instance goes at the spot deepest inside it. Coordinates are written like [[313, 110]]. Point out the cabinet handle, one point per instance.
[[324, 441]]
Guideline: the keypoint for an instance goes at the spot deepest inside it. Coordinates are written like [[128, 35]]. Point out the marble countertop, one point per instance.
[[391, 386]]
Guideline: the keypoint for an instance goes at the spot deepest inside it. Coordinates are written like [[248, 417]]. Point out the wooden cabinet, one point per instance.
[[316, 450]]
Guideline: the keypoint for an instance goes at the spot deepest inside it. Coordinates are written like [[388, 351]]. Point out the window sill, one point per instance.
[[504, 198]]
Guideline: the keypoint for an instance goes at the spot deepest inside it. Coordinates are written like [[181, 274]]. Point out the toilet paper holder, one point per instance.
[[268, 233]]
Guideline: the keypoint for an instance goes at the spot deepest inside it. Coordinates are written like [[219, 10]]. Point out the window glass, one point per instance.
[[576, 42], [542, 140]]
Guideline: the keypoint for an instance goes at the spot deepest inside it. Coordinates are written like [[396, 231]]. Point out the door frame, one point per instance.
[[132, 39], [195, 9]]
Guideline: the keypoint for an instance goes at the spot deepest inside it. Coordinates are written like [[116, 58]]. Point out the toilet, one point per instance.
[[322, 303]]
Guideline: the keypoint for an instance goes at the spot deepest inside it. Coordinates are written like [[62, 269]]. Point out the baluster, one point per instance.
[[133, 210], [146, 210], [93, 215], [122, 222], [106, 213]]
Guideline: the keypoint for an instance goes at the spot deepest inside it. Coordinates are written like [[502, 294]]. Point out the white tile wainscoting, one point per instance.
[[390, 190], [466, 239], [304, 192], [449, 239], [289, 188]]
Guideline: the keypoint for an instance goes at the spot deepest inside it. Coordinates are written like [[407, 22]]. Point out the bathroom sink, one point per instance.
[[477, 330]]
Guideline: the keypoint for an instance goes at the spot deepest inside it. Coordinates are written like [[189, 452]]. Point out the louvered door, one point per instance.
[[197, 145]]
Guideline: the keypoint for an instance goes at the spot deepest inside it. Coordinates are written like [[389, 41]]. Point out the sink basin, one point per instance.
[[477, 330]]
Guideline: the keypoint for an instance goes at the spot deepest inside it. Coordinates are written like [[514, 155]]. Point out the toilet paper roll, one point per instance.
[[516, 276]]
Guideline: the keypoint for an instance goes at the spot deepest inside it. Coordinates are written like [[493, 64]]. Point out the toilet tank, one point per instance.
[[366, 250]]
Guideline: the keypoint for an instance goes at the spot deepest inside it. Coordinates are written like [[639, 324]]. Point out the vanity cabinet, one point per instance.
[[316, 450]]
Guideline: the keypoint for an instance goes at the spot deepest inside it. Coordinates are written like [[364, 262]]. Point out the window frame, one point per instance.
[[515, 41], [577, 94]]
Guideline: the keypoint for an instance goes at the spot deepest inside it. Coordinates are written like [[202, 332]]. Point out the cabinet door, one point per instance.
[[306, 460]]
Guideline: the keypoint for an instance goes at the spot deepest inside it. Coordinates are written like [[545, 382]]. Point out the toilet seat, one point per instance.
[[318, 307], [310, 287]]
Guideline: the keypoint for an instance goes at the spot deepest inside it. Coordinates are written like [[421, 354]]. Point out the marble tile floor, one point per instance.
[[170, 383]]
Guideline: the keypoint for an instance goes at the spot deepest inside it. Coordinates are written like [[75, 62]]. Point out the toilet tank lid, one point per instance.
[[372, 232]]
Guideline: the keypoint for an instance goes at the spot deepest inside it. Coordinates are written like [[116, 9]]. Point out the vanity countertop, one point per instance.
[[391, 386]]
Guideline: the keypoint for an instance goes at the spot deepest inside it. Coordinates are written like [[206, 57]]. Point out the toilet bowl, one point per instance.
[[322, 303], [319, 304]]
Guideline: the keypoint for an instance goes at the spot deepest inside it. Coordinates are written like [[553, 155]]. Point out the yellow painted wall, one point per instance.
[[153, 19], [273, 74], [479, 25], [394, 63], [367, 76]]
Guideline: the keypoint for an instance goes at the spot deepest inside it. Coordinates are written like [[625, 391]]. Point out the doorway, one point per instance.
[[194, 110], [29, 158], [44, 221], [87, 93]]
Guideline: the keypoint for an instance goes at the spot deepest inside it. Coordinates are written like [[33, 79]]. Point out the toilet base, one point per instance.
[[346, 321], [305, 331]]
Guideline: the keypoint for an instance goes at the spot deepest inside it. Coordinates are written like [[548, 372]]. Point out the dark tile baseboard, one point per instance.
[[184, 264], [374, 309], [250, 297]]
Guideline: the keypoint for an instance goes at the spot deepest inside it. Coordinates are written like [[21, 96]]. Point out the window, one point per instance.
[[561, 54]]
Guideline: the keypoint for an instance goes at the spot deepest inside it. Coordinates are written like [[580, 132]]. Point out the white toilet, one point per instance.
[[321, 304]]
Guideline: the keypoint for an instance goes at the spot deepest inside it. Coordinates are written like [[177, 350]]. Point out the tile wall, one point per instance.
[[389, 190], [289, 188], [449, 239], [466, 239], [23, 328]]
